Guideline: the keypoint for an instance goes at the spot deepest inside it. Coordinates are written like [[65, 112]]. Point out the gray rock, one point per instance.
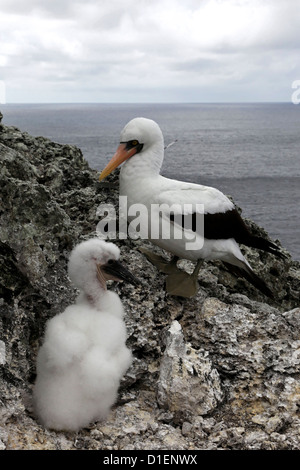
[[2, 353], [218, 371], [188, 384]]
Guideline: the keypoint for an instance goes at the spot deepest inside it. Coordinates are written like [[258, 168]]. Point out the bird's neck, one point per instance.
[[107, 300], [94, 300], [93, 293]]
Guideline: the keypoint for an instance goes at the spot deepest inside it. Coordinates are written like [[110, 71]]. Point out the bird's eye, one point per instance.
[[110, 261], [134, 142]]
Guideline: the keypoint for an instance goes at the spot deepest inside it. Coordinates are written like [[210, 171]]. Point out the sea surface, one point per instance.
[[248, 151]]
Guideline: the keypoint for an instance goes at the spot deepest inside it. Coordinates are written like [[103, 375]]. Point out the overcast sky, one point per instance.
[[149, 51]]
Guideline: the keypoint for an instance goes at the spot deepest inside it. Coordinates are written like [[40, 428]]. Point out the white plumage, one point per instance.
[[84, 355], [142, 149]]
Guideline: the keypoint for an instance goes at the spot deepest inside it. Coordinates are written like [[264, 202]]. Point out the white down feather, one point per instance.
[[83, 356]]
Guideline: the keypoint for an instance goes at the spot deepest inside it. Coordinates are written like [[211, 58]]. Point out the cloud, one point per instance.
[[86, 50]]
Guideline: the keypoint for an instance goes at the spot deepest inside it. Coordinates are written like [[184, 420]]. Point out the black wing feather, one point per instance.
[[224, 225]]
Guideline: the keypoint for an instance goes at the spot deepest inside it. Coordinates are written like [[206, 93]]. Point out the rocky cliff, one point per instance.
[[218, 371]]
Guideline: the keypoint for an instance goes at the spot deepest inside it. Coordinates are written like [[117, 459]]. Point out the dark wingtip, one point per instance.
[[268, 246], [251, 277]]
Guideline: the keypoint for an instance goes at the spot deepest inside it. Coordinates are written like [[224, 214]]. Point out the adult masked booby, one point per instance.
[[141, 150]]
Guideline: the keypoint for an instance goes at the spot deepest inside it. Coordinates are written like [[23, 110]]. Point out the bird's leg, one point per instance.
[[197, 268], [183, 284], [166, 267], [177, 282], [172, 265]]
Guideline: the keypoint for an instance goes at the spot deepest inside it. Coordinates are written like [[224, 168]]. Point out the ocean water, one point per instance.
[[248, 151]]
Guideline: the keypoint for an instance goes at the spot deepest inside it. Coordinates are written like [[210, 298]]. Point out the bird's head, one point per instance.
[[96, 261], [139, 135]]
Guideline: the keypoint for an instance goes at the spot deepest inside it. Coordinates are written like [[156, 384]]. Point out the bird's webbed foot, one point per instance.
[[183, 284], [178, 282]]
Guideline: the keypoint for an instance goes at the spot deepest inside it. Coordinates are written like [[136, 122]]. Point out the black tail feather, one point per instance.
[[229, 224], [265, 245], [251, 277]]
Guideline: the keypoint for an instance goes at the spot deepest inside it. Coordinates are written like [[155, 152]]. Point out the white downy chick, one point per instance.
[[84, 355]]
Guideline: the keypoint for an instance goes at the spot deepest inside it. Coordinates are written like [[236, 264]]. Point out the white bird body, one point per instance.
[[84, 353], [141, 150], [158, 190]]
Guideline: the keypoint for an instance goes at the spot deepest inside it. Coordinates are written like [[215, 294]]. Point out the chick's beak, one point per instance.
[[115, 271], [119, 157]]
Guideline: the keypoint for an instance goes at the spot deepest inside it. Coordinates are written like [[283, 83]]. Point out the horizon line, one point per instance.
[[138, 102]]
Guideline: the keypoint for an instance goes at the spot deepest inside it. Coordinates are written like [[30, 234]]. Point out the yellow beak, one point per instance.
[[119, 157]]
